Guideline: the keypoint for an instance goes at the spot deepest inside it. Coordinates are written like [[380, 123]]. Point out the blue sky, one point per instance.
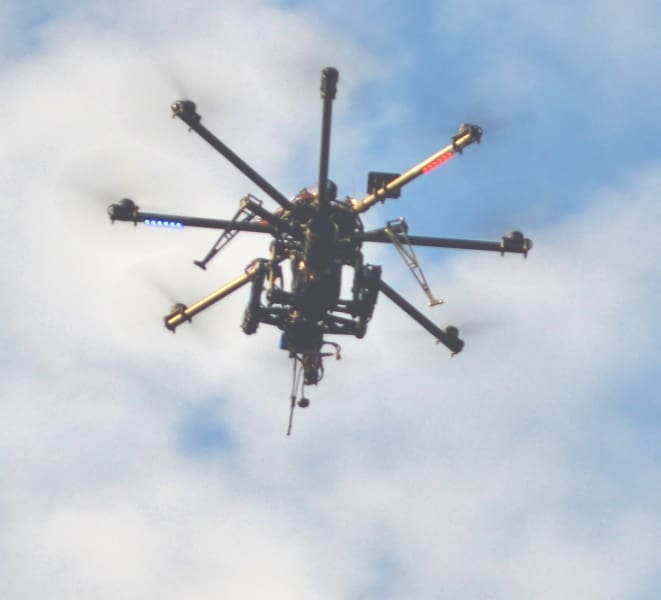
[[140, 464]]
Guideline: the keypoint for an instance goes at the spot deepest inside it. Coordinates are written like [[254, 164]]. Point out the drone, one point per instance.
[[318, 234]]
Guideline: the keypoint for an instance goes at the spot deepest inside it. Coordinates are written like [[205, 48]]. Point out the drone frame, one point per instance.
[[291, 232]]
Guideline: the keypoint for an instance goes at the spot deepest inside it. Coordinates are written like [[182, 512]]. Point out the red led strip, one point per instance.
[[443, 158]]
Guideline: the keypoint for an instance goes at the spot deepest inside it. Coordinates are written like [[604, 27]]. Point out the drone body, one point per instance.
[[318, 235]]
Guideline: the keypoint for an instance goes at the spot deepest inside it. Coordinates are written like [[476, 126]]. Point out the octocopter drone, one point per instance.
[[318, 234]]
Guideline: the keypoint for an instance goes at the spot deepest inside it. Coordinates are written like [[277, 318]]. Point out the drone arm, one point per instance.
[[181, 313], [466, 135], [186, 111], [126, 210], [328, 90], [448, 337], [513, 242]]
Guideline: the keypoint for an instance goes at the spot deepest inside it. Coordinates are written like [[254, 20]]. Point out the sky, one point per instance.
[[138, 464]]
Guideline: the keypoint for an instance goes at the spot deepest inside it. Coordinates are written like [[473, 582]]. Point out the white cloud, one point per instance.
[[454, 477]]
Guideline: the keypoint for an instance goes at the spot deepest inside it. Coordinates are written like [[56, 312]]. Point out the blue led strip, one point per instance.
[[159, 223]]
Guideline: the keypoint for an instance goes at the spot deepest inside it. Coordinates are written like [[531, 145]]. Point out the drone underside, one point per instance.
[[318, 235]]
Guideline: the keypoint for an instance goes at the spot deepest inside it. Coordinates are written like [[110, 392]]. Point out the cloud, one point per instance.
[[411, 474]]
